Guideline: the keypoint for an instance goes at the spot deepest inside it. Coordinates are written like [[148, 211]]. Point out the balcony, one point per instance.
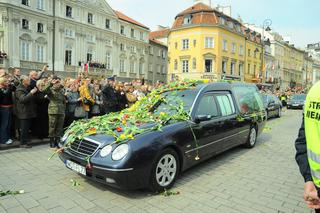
[[30, 65]]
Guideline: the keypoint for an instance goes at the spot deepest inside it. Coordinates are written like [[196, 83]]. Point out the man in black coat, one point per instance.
[[109, 97], [25, 109]]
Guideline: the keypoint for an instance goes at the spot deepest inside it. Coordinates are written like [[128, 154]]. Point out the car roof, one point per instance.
[[222, 86]]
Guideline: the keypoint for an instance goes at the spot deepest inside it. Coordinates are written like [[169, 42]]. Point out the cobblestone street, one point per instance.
[[263, 179]]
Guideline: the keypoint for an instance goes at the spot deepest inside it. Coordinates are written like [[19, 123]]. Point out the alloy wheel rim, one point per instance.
[[166, 170], [253, 136]]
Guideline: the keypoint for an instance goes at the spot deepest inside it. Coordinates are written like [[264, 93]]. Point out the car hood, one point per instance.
[[104, 139]]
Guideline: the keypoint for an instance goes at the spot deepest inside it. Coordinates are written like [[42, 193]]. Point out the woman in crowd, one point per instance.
[[6, 109], [96, 108], [86, 98], [73, 100]]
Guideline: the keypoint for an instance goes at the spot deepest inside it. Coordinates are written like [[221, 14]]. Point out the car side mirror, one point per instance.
[[200, 118]]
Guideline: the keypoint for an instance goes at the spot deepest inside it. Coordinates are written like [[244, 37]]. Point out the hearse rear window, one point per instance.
[[248, 98]]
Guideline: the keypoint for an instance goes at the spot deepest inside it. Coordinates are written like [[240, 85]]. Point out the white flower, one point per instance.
[[21, 192]]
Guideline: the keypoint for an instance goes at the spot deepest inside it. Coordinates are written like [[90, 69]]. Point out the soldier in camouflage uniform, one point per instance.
[[56, 110]]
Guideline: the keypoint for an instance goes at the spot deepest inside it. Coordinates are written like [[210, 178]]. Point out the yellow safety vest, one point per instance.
[[312, 131]]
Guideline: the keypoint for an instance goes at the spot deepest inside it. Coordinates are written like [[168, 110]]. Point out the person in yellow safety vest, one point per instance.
[[308, 148], [283, 99]]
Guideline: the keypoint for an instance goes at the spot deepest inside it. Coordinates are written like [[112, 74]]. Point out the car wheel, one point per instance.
[[252, 138], [165, 171], [279, 113]]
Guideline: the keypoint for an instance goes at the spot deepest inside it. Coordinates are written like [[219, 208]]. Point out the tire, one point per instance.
[[252, 138], [279, 113], [165, 171]]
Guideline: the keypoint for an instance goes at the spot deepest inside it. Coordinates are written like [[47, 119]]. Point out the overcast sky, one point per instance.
[[298, 19]]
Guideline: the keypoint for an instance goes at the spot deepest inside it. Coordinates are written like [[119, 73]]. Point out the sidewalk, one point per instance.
[[16, 143]]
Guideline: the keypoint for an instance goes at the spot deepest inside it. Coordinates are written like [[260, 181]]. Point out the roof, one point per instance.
[[123, 17], [202, 14], [157, 42], [159, 33]]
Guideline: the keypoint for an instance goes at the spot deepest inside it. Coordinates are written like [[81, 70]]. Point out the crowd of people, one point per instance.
[[41, 105]]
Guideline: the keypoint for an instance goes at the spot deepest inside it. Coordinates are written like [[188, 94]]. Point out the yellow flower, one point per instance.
[[130, 137], [123, 137], [163, 114], [206, 81]]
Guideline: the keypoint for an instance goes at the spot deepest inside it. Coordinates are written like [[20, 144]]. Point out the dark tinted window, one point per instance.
[[248, 98], [207, 106]]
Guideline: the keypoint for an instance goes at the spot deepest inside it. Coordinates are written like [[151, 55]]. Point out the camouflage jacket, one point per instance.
[[57, 104]]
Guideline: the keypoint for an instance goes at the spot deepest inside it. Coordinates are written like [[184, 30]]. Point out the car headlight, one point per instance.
[[120, 152], [64, 138], [105, 151]]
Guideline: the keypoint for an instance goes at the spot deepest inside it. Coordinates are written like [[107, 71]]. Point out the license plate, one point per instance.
[[76, 167], [295, 104]]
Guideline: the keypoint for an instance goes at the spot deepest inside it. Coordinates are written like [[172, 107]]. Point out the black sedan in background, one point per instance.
[[222, 116], [296, 101], [272, 105]]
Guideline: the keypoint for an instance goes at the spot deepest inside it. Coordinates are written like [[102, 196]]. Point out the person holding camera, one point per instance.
[[73, 99], [56, 109], [25, 109]]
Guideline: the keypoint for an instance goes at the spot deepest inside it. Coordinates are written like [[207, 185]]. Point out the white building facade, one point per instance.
[[66, 34]]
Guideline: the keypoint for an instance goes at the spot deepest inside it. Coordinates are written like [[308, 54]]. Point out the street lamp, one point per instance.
[[265, 27]]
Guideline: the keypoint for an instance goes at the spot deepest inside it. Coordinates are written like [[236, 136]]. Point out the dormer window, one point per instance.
[[25, 24], [222, 20], [25, 2], [187, 19]]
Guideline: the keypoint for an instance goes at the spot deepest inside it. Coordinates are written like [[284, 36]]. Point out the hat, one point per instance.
[[55, 77], [111, 78]]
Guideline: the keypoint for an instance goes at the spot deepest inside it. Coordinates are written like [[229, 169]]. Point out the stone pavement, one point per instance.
[[263, 179]]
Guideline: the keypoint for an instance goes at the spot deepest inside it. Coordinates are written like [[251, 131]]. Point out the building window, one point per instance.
[[150, 67], [141, 36], [194, 63], [140, 68], [107, 23], [40, 28], [208, 65], [185, 44], [163, 54], [255, 70], [25, 24], [151, 50], [89, 56], [209, 42], [25, 2], [240, 69], [232, 68], [69, 11], [222, 20], [187, 19], [90, 18], [175, 64], [176, 45], [68, 57], [249, 52], [159, 52], [249, 69], [132, 49], [121, 65], [132, 67], [234, 47], [158, 69], [241, 50], [40, 53], [122, 47], [25, 51], [122, 30], [224, 67], [40, 4], [225, 45], [132, 33], [185, 66], [108, 61], [69, 33], [194, 43], [163, 70]]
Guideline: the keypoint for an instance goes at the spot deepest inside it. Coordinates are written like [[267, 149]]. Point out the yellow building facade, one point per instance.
[[206, 44]]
